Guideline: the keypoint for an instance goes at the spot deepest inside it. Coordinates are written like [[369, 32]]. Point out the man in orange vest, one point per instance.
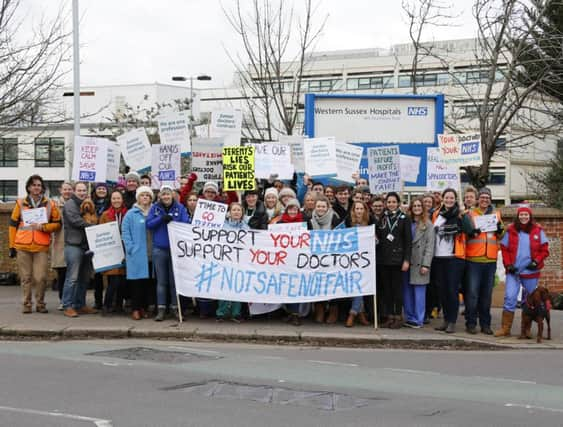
[[33, 220], [481, 264]]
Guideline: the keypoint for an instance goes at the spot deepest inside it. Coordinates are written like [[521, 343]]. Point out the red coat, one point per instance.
[[538, 251]]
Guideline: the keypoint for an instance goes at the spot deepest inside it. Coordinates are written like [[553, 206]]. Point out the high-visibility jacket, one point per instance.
[[23, 237], [484, 245], [459, 241]]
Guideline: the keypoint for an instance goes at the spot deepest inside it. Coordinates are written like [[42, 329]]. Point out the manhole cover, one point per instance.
[[154, 355], [326, 401]]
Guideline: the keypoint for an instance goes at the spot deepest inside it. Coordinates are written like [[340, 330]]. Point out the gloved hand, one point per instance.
[[12, 253], [500, 227], [511, 269], [476, 232], [167, 218], [89, 253], [192, 177], [532, 266]]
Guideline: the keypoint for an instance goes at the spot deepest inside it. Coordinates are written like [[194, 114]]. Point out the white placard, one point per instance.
[[272, 160], [34, 216], [136, 149], [105, 241], [287, 227], [348, 158], [265, 267], [384, 167], [227, 124], [173, 128], [257, 308], [440, 175], [295, 143], [410, 168], [202, 131], [166, 165], [320, 157], [461, 149], [90, 159], [209, 214], [486, 223], [114, 158], [207, 159]]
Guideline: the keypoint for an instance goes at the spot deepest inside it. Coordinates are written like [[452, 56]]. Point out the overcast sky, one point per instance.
[[143, 41]]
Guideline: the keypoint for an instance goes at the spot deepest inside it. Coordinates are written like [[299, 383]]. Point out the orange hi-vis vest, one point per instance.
[[459, 242], [485, 244], [33, 240]]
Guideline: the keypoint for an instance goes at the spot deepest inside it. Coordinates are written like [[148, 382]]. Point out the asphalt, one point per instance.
[[53, 325]]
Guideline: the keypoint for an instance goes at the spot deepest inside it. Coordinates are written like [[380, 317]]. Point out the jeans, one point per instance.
[[357, 305], [414, 300], [513, 283], [77, 277], [479, 293], [448, 274], [165, 286]]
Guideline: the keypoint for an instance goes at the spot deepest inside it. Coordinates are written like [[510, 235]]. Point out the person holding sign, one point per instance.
[[160, 214], [395, 245], [33, 220], [254, 211]]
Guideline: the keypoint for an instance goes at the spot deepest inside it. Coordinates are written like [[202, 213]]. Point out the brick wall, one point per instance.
[[6, 263]]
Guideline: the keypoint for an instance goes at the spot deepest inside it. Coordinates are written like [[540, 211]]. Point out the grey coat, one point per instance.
[[422, 253], [74, 224]]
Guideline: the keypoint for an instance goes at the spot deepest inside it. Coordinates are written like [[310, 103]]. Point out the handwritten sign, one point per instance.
[[486, 223], [34, 216], [114, 158], [461, 150], [320, 157], [136, 149], [238, 168], [209, 214], [226, 124], [173, 128], [166, 162], [295, 143], [266, 267], [272, 160], [287, 227], [207, 159], [410, 167], [384, 168], [440, 175], [348, 158], [90, 159], [105, 241]]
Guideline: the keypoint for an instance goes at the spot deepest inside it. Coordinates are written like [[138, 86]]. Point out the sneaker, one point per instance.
[[450, 329], [411, 324], [237, 319], [219, 319], [60, 307], [487, 330], [70, 312], [471, 330], [160, 315]]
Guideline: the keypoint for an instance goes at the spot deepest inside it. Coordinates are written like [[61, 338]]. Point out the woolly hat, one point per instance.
[[524, 209], [271, 190], [486, 191], [286, 191], [100, 184], [166, 189], [292, 202], [211, 186], [134, 176], [143, 189]]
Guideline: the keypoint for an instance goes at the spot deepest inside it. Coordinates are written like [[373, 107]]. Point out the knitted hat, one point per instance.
[[211, 186], [134, 176], [271, 190], [524, 209], [292, 202], [143, 189], [286, 191], [166, 189], [100, 184], [485, 191]]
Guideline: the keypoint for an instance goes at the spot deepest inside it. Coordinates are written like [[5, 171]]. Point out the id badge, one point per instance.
[[390, 237]]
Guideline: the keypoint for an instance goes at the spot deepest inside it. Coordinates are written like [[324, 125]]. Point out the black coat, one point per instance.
[[393, 253], [259, 219]]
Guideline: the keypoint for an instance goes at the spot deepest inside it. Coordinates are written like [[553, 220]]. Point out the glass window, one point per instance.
[[442, 79], [405, 81], [497, 177], [8, 152], [501, 144], [314, 85], [352, 84], [388, 82], [9, 191], [50, 152], [53, 188]]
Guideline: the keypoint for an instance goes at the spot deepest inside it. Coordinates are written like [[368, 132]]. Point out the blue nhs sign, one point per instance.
[[417, 111], [470, 148]]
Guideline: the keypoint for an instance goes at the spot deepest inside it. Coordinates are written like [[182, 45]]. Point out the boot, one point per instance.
[[332, 317], [26, 309], [506, 324], [319, 312], [388, 322], [350, 320], [363, 319], [397, 322], [160, 315]]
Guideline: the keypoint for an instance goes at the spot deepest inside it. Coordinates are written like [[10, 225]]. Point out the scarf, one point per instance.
[[451, 227], [285, 218], [323, 222], [116, 215]]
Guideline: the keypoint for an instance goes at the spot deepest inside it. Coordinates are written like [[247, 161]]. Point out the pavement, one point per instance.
[[54, 326]]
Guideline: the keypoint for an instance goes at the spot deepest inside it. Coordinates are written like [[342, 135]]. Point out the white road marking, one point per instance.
[[540, 408], [272, 357], [326, 362], [411, 371], [97, 421], [175, 347]]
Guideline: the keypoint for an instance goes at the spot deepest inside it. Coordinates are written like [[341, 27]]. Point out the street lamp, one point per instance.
[[202, 77]]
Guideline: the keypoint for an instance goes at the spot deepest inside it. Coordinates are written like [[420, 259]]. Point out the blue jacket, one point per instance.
[[134, 235], [159, 227]]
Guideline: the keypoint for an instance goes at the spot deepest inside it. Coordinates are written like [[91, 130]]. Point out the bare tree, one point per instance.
[[30, 67], [276, 45]]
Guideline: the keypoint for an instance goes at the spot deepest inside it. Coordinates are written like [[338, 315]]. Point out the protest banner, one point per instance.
[[136, 149], [173, 128], [209, 214], [410, 167], [461, 149], [440, 175], [272, 160], [114, 158], [90, 159], [207, 159], [384, 168], [238, 168], [320, 157], [348, 158], [226, 124], [287, 227], [104, 241], [295, 143], [166, 164], [257, 308], [265, 267]]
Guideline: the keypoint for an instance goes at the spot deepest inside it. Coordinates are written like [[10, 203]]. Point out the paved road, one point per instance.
[[164, 383]]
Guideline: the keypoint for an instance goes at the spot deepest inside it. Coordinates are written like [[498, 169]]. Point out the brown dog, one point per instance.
[[536, 307], [88, 212]]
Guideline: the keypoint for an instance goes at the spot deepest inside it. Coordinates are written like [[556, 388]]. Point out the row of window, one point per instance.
[[48, 152], [9, 189]]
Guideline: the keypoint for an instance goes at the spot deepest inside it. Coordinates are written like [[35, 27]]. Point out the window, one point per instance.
[[363, 83], [50, 152], [501, 144], [9, 191], [8, 152], [405, 81], [497, 177], [53, 188]]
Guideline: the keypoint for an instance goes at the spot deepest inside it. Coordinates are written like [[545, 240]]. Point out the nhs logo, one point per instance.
[[470, 148], [417, 111]]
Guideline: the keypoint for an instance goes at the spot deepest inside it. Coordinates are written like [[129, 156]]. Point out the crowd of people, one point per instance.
[[428, 252]]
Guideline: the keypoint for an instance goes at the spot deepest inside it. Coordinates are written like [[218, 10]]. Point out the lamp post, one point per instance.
[[202, 77]]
